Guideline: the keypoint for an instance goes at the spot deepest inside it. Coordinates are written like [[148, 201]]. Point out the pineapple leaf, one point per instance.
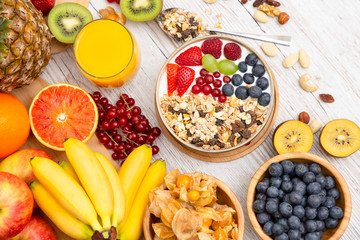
[[4, 29]]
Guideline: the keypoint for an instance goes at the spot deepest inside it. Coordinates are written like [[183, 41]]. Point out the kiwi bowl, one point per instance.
[[167, 112], [344, 201]]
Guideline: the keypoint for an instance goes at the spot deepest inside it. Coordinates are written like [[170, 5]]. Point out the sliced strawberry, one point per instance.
[[184, 79], [43, 5], [172, 71], [212, 46], [191, 57], [232, 51]]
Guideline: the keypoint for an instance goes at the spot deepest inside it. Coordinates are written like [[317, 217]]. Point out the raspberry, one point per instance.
[[212, 46], [232, 51]]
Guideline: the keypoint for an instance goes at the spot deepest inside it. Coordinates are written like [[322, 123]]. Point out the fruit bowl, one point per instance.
[[225, 196], [258, 119], [327, 169]]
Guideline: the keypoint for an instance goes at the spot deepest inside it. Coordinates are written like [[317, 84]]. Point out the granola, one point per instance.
[[209, 124]]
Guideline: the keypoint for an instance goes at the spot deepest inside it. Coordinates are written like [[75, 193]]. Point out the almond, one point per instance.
[[270, 49], [304, 59], [290, 60], [261, 17]]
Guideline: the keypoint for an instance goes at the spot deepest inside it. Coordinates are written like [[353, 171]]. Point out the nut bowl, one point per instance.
[[224, 196], [328, 170]]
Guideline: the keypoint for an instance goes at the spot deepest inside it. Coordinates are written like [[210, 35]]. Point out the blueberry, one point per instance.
[[296, 197], [300, 187], [287, 186], [310, 213], [333, 193], [258, 70], [310, 226], [303, 202], [241, 92], [264, 99], [315, 168], [276, 182], [284, 222], [274, 199], [312, 236], [271, 206], [314, 201], [313, 188], [259, 206], [228, 89], [294, 234], [331, 223], [301, 169], [321, 179], [248, 78], [294, 222], [263, 218], [309, 177], [276, 216], [281, 194], [251, 59], [322, 213], [263, 185], [286, 177], [255, 92], [262, 83], [236, 80], [260, 196], [282, 236], [272, 192], [275, 169], [322, 195], [329, 182], [285, 209], [299, 211], [320, 225], [336, 212], [288, 166], [286, 198], [329, 202], [295, 180], [302, 229], [267, 228], [242, 67], [277, 229]]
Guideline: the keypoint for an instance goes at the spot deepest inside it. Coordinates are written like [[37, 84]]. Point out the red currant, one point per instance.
[[105, 125], [111, 1], [96, 99], [140, 127], [155, 150], [222, 98], [111, 114], [122, 156], [101, 114], [114, 125], [126, 129], [136, 110], [206, 89], [100, 134], [123, 121], [200, 81], [135, 119], [133, 148], [145, 122], [120, 148], [215, 92], [203, 72], [217, 83], [104, 139], [107, 107], [226, 79], [117, 1], [119, 103], [128, 114], [130, 102], [128, 146], [196, 89], [104, 101], [115, 156], [121, 110], [209, 79], [124, 96], [150, 139], [117, 138], [141, 139], [96, 94], [133, 136], [156, 131], [217, 74], [110, 145], [147, 129]]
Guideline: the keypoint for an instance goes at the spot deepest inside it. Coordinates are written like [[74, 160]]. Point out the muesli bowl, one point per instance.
[[203, 123]]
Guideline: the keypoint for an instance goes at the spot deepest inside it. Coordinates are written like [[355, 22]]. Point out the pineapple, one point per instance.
[[24, 44]]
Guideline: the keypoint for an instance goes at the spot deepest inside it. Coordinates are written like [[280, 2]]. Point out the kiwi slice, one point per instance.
[[293, 136], [340, 137], [140, 10], [65, 21]]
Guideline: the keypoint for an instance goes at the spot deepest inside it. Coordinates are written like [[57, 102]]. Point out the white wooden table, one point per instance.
[[328, 30]]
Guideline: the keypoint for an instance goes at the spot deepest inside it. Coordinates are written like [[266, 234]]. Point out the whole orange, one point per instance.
[[14, 124]]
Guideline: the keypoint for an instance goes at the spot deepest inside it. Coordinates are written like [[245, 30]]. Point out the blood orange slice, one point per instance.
[[60, 111]]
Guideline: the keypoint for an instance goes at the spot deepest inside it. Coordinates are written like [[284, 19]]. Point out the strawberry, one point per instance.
[[171, 70], [43, 5], [212, 46], [191, 57], [232, 51], [184, 79]]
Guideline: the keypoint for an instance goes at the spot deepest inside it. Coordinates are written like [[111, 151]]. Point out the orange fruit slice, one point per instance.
[[60, 111]]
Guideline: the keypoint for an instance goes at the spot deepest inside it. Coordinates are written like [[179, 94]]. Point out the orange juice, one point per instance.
[[107, 53]]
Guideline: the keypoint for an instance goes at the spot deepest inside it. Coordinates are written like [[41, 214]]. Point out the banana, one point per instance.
[[65, 190], [132, 172], [118, 191], [154, 177], [69, 170], [92, 177], [58, 214]]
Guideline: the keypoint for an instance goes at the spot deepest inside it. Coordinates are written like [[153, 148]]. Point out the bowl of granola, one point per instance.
[[215, 94], [193, 206]]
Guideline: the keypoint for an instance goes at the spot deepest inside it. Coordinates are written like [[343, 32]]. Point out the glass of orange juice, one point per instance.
[[107, 53]]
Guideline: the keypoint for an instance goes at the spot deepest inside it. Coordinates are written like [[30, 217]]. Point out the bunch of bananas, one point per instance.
[[87, 198]]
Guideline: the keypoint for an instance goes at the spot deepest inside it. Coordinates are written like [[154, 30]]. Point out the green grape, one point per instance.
[[209, 63], [227, 67]]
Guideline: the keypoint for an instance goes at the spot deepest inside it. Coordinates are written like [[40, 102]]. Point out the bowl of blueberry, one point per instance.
[[296, 196]]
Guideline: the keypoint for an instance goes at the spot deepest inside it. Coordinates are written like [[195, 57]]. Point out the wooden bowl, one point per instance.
[[328, 170], [225, 196]]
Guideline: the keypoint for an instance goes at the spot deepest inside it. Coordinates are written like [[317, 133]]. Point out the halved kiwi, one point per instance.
[[140, 10], [293, 136], [340, 137], [66, 20]]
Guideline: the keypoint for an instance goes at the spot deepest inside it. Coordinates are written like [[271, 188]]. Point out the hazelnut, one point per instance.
[[283, 18], [304, 117]]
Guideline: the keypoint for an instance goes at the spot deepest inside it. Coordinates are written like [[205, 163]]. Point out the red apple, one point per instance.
[[16, 205], [19, 163], [37, 229]]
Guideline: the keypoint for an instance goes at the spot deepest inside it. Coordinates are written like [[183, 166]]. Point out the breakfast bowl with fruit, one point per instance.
[[215, 94]]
